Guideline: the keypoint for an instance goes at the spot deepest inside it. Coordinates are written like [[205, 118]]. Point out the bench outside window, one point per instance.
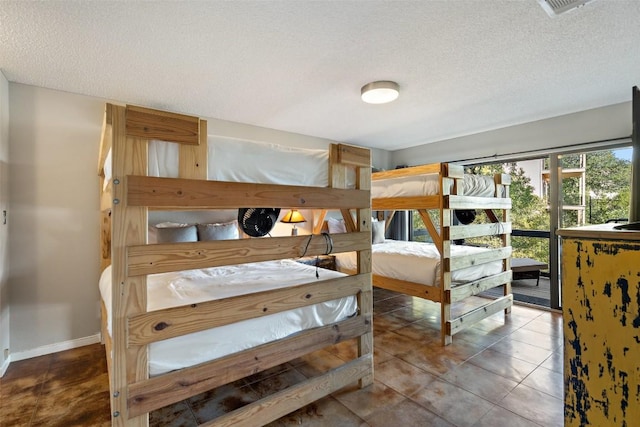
[[527, 268]]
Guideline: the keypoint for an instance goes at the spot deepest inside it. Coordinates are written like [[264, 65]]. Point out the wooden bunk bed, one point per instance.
[[130, 329], [440, 188]]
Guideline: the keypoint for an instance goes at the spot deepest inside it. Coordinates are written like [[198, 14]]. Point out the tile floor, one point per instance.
[[497, 373]]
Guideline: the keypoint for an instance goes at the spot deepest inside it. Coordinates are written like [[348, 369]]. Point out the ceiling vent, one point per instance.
[[558, 7]]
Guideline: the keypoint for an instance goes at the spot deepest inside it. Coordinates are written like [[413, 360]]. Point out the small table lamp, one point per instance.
[[293, 217]]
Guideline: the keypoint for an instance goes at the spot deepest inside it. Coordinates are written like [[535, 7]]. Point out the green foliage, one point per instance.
[[607, 188], [528, 211]]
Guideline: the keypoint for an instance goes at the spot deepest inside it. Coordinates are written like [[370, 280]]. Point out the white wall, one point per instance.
[[598, 124], [54, 139], [4, 234]]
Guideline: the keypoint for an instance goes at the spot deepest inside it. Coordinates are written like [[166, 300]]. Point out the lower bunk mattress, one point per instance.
[[194, 286], [418, 262]]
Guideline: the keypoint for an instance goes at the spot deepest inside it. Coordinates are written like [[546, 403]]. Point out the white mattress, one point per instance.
[[237, 160], [418, 262], [193, 286], [427, 185]]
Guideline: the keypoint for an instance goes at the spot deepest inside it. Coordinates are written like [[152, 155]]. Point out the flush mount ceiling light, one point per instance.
[[380, 92]]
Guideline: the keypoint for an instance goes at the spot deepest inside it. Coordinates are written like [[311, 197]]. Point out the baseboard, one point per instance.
[[54, 348], [5, 366]]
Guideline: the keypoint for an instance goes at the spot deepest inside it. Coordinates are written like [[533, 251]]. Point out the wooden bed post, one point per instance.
[[503, 182], [129, 294], [342, 156], [446, 221], [365, 299]]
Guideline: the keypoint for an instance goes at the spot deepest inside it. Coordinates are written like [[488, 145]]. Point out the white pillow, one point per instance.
[[336, 226], [177, 234], [223, 231], [172, 232], [377, 232]]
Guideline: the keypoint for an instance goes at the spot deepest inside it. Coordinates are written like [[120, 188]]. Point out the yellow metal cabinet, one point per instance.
[[601, 314]]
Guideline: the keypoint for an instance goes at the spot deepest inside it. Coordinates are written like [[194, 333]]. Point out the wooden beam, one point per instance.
[[456, 325], [432, 293], [128, 295], [365, 299], [634, 210], [193, 159], [453, 171], [431, 228], [491, 215], [175, 193], [295, 397], [349, 223], [433, 168], [354, 156], [105, 239], [468, 289], [163, 390], [166, 257], [470, 202], [105, 138], [502, 179], [173, 322], [476, 230], [147, 123], [319, 221], [406, 203], [490, 255]]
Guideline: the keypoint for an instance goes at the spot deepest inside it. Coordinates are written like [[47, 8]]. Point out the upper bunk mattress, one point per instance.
[[428, 185], [418, 262], [238, 160], [194, 286]]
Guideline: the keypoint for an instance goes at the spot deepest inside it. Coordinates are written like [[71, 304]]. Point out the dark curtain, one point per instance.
[[399, 227]]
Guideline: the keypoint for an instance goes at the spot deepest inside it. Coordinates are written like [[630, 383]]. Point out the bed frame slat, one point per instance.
[[285, 401], [432, 293], [193, 159], [173, 322], [406, 203], [167, 257], [176, 193], [460, 292], [156, 392], [155, 124], [354, 156], [464, 261], [471, 202], [433, 168], [476, 230], [471, 317]]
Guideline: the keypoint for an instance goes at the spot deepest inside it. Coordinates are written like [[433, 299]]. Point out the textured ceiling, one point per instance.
[[463, 66]]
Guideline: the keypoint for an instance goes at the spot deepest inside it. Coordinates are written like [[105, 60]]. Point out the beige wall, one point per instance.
[[598, 124], [4, 235], [54, 139], [54, 219]]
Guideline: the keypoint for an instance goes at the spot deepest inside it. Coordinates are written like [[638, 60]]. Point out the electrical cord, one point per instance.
[[328, 249]]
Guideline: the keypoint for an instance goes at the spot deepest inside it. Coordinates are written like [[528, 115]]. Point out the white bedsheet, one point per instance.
[[418, 262], [427, 185], [188, 287], [238, 160]]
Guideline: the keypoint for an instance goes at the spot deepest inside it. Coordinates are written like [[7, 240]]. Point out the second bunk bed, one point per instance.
[[443, 271]]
